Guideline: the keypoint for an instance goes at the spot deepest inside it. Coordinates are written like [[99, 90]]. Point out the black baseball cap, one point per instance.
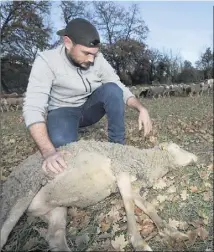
[[82, 32]]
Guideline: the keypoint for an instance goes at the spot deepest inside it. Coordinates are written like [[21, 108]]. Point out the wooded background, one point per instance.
[[27, 26]]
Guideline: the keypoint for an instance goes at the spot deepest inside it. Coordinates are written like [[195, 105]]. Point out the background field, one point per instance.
[[184, 198]]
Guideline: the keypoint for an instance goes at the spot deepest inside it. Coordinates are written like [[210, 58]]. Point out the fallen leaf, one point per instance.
[[204, 175], [183, 225], [203, 215], [161, 198], [101, 217], [170, 197], [192, 237], [114, 214], [193, 188], [147, 227], [210, 167], [174, 223], [104, 227], [184, 195], [206, 196], [153, 139], [206, 184], [119, 243], [196, 223], [154, 202], [171, 177], [202, 233], [176, 198], [12, 140], [160, 184], [115, 227], [171, 189]]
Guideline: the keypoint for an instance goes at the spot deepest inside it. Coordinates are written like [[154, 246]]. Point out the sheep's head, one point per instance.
[[181, 157]]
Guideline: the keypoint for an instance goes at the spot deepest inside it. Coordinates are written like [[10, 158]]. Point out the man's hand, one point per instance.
[[144, 119], [54, 163]]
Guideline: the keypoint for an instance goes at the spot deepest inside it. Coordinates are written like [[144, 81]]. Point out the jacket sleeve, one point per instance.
[[108, 74], [38, 91]]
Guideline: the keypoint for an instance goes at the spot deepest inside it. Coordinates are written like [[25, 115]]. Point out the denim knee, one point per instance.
[[61, 140], [113, 90]]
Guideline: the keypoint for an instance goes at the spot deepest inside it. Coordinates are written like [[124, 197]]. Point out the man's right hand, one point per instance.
[[54, 163]]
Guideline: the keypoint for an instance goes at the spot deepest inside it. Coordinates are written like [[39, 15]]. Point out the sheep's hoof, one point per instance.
[[139, 244]]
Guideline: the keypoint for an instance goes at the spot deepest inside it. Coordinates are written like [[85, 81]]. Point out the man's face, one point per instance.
[[81, 55]]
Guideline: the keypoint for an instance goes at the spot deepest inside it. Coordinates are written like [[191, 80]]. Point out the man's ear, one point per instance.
[[67, 42]]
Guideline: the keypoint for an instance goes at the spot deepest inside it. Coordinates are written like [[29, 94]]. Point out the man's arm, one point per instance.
[[133, 102], [38, 131], [108, 74], [35, 103]]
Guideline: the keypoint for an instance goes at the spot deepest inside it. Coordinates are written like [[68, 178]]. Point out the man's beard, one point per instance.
[[85, 66]]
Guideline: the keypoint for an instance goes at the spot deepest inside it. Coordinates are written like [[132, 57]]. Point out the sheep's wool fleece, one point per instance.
[[27, 178]]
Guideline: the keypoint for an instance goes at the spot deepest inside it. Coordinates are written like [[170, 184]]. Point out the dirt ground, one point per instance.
[[184, 198]]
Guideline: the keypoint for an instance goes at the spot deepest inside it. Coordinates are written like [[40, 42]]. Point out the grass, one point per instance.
[[187, 121]]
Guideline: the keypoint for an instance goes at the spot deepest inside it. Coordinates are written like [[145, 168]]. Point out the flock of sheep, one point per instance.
[[14, 102], [182, 89]]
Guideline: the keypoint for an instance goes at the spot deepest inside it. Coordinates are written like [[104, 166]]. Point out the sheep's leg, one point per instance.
[[56, 235], [56, 219], [124, 185], [163, 228]]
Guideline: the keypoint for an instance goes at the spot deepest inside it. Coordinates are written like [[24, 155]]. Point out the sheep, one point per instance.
[[186, 89], [95, 171], [209, 83], [156, 91], [11, 104], [144, 92], [195, 89]]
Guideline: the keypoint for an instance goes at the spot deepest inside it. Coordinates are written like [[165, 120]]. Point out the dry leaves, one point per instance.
[[173, 223], [192, 237], [184, 195], [202, 233], [104, 226], [161, 198], [207, 196], [160, 184], [178, 224], [80, 218], [147, 227], [193, 189], [119, 243], [171, 189], [210, 167]]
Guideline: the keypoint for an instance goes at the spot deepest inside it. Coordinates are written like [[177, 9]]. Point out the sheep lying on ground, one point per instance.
[[95, 170]]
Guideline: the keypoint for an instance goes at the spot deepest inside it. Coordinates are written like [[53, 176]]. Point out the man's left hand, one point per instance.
[[144, 119]]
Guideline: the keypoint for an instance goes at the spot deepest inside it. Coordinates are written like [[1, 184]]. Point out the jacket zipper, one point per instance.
[[89, 84], [82, 80]]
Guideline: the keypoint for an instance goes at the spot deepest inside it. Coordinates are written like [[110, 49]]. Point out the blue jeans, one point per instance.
[[63, 123]]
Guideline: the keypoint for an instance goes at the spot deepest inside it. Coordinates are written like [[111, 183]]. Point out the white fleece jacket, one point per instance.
[[55, 82]]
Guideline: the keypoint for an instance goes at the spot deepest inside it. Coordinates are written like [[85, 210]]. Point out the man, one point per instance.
[[73, 86]]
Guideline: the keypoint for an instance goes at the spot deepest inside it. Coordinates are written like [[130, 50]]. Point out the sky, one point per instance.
[[185, 27]]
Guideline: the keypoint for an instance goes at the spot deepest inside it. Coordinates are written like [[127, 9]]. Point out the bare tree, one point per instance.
[[73, 9], [116, 23], [24, 28], [205, 63]]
